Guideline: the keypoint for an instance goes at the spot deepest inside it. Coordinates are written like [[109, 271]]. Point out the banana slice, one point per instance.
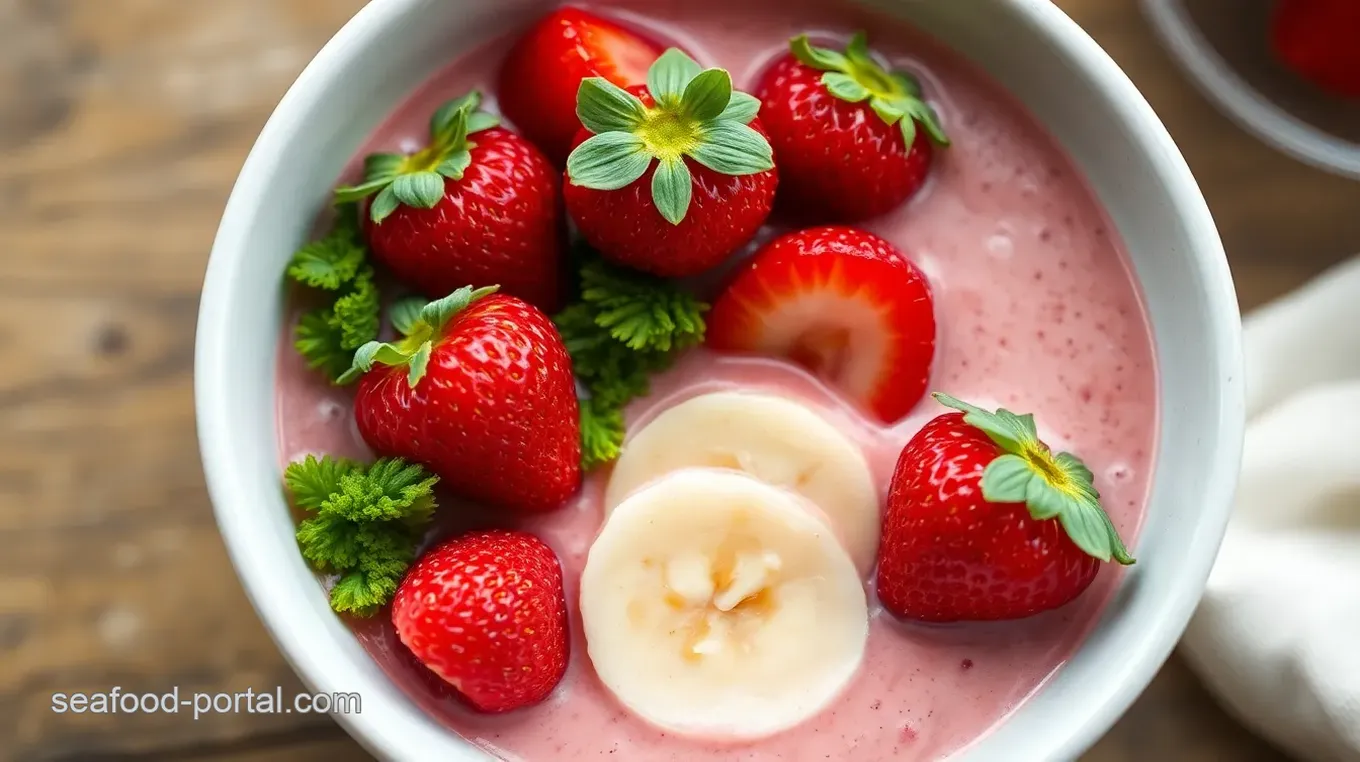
[[718, 606], [775, 440]]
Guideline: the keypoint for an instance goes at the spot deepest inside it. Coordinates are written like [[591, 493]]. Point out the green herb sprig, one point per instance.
[[364, 526], [337, 266], [625, 327]]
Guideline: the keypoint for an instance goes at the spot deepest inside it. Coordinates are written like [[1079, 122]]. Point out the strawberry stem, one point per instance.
[[420, 334], [417, 180], [1052, 486], [856, 76], [697, 115]]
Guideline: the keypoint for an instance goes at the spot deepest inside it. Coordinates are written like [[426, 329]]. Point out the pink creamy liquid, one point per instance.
[[1037, 311]]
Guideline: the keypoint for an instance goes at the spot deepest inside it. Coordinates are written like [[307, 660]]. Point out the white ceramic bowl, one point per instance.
[[1031, 48]]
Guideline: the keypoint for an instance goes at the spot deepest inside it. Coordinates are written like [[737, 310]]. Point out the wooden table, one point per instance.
[[122, 126]]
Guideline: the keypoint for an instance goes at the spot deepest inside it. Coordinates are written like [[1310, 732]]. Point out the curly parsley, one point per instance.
[[625, 327], [336, 264], [364, 525]]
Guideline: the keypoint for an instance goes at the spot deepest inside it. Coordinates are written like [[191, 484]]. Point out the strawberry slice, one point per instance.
[[541, 74], [843, 303]]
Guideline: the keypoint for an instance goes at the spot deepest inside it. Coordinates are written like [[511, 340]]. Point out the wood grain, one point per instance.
[[122, 126]]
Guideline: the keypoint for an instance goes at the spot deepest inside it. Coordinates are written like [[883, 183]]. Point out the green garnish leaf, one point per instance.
[[625, 327], [601, 432], [330, 262], [696, 115], [855, 76], [313, 480], [404, 313], [672, 187], [603, 106], [327, 336], [643, 312], [320, 343], [364, 524], [608, 161], [1051, 486], [733, 148], [741, 108], [707, 95], [671, 74], [358, 314]]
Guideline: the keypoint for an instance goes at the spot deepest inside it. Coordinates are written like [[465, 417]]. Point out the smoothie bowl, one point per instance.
[[773, 381]]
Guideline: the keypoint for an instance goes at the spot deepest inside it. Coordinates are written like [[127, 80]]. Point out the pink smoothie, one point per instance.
[[1037, 311]]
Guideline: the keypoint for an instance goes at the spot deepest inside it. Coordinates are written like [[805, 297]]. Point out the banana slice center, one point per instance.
[[721, 606], [717, 605]]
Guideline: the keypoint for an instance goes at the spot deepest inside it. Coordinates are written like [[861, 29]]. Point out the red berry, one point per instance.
[[494, 413], [1320, 41], [720, 160], [479, 208], [841, 302], [839, 158], [487, 613], [979, 530], [540, 77]]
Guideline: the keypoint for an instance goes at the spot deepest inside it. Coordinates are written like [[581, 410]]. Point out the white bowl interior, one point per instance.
[[1027, 45]]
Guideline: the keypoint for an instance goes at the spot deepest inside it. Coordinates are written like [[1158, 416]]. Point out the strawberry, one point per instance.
[[676, 175], [480, 391], [1320, 41], [486, 612], [478, 205], [841, 302], [852, 139], [985, 522], [540, 76]]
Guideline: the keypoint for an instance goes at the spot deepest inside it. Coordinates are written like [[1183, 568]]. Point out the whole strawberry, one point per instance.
[[480, 391], [984, 522], [842, 303], [538, 81], [1320, 41], [478, 205], [486, 612], [676, 175], [852, 139]]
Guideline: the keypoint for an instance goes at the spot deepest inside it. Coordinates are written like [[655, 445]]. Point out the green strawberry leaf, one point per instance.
[[742, 108], [733, 148], [672, 186], [419, 189], [670, 74], [845, 87], [823, 59], [707, 95], [405, 313], [608, 161], [1051, 486], [696, 115], [603, 106]]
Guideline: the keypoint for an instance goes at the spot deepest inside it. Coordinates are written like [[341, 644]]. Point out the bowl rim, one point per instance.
[[391, 731]]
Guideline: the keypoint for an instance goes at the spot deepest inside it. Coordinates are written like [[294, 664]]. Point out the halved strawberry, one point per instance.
[[541, 74], [843, 303]]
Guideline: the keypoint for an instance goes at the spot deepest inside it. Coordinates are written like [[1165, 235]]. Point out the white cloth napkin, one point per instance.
[[1277, 635]]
